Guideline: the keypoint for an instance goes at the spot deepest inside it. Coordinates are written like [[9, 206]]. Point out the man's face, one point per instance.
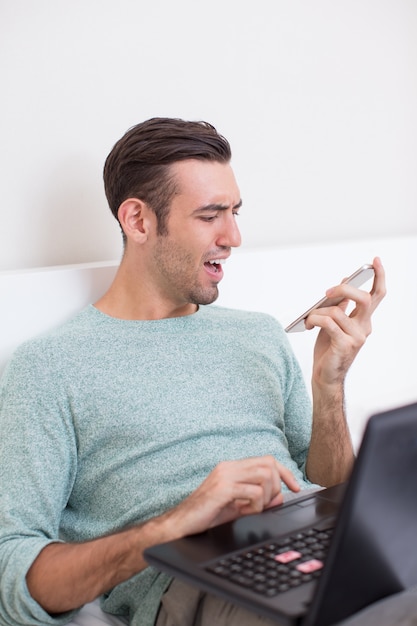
[[202, 229]]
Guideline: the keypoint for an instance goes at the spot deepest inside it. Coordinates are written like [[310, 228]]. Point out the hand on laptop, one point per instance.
[[233, 489]]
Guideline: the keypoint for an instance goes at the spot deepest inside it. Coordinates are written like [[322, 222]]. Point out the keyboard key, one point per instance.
[[287, 557], [310, 566]]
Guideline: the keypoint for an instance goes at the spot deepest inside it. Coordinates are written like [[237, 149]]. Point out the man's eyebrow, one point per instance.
[[216, 207]]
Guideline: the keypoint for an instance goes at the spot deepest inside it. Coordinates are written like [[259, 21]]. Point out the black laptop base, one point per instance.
[[372, 553], [197, 557]]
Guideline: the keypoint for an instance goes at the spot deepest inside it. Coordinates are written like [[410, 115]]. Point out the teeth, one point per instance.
[[218, 262]]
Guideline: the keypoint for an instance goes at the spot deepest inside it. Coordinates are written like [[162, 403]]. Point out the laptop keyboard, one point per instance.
[[276, 566]]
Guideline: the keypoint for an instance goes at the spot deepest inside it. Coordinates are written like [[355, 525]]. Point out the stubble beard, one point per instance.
[[176, 267]]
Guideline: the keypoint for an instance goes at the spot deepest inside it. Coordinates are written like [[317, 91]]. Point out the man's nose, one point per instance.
[[229, 235]]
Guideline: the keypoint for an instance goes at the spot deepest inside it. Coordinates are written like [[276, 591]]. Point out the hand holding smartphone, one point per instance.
[[358, 278]]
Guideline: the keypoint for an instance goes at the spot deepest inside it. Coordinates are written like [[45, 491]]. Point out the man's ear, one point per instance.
[[135, 218]]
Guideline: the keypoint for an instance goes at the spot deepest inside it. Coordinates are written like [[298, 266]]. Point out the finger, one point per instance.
[[364, 305], [379, 289], [260, 483], [246, 507], [255, 505], [288, 478], [344, 332], [271, 470], [279, 499], [311, 321], [377, 292], [349, 293], [251, 499], [265, 475]]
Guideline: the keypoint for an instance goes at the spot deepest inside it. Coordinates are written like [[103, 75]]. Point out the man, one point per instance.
[[150, 415]]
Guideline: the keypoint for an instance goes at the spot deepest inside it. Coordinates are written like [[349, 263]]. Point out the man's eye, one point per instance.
[[208, 218]]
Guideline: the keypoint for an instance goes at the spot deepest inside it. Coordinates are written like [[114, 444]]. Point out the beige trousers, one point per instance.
[[183, 605]]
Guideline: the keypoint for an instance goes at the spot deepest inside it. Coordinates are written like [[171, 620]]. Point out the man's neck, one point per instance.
[[131, 298]]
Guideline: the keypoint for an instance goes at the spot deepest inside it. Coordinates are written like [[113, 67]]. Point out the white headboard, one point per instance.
[[33, 301]]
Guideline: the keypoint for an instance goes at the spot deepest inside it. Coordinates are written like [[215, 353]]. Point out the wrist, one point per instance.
[[165, 527], [327, 389]]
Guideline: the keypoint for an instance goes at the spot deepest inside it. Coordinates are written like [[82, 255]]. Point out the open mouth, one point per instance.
[[215, 266]]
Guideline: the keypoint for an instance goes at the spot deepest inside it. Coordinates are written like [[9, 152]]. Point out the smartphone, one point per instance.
[[358, 278]]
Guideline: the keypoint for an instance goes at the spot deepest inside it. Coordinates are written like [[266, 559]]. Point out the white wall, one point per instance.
[[318, 99]]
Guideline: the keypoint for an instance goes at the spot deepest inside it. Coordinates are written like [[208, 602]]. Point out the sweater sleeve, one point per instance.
[[35, 483], [298, 419], [297, 404]]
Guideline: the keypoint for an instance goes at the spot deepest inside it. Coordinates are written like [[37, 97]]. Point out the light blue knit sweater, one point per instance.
[[106, 422]]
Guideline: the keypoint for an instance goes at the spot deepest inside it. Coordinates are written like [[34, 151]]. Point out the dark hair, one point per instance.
[[139, 164]]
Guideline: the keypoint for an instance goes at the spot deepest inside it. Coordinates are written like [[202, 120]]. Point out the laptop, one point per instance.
[[316, 560]]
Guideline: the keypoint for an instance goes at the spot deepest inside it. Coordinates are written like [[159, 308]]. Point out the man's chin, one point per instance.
[[206, 297]]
